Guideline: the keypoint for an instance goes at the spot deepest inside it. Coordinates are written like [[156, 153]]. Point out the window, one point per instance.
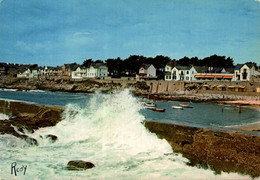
[[187, 72], [174, 75], [244, 74], [187, 78]]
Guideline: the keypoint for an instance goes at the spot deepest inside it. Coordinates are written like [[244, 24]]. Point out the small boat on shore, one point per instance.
[[186, 106], [158, 109], [177, 107]]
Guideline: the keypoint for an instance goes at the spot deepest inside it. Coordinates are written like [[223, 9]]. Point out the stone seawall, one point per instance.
[[219, 150], [205, 87]]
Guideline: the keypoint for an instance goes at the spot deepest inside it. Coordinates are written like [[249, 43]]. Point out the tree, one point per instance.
[[87, 62], [252, 64], [114, 67], [185, 61], [98, 61]]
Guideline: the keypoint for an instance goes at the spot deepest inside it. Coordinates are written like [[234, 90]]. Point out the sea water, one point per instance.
[[105, 129]]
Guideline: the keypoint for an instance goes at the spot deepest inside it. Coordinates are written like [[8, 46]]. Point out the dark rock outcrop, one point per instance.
[[79, 165], [29, 117], [53, 138], [219, 150]]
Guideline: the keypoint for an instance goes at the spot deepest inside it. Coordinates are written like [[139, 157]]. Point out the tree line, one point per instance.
[[130, 66]]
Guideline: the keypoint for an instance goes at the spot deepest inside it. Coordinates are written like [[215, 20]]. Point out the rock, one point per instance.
[[79, 165], [220, 150], [53, 138], [28, 117]]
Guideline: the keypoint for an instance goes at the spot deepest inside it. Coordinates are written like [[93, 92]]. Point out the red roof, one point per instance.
[[214, 76]]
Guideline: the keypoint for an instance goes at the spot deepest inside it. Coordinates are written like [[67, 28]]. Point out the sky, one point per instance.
[[54, 32]]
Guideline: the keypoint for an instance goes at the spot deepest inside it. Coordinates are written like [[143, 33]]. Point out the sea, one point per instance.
[[108, 130]]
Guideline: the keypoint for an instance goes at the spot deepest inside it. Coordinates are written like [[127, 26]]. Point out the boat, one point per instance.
[[177, 107], [158, 109], [149, 107], [148, 104], [186, 106]]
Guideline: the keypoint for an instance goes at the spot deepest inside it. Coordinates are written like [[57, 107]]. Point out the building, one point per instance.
[[243, 72], [214, 73], [79, 73], [146, 71], [68, 68], [3, 69], [95, 70], [32, 72], [49, 71], [197, 73], [168, 70], [184, 73]]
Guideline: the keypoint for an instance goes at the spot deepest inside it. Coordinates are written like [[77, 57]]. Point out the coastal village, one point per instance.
[[240, 78], [171, 71]]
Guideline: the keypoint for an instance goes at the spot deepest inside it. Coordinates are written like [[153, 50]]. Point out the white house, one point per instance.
[[29, 73], [243, 72], [168, 70], [181, 73], [192, 73], [79, 73], [96, 70], [147, 71]]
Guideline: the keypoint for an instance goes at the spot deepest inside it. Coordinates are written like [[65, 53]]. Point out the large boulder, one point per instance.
[[79, 165]]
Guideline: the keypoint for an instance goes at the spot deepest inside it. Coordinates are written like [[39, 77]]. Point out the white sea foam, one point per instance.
[[40, 91], [107, 131], [15, 100], [3, 116], [3, 89]]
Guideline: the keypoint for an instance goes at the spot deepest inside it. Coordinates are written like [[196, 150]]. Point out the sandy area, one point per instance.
[[248, 127], [251, 103]]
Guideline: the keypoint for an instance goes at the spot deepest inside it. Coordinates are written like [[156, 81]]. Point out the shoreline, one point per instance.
[[189, 97], [212, 149], [250, 127]]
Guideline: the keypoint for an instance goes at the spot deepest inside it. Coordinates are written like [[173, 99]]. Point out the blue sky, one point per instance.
[[54, 32]]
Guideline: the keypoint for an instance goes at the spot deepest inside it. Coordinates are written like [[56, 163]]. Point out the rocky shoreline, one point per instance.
[[207, 148], [29, 117], [140, 88], [220, 150]]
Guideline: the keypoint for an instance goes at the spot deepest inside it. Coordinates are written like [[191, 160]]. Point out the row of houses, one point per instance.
[[241, 72], [74, 71]]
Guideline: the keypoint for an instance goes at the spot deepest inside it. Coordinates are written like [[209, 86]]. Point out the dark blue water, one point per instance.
[[45, 97], [201, 113], [205, 114]]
